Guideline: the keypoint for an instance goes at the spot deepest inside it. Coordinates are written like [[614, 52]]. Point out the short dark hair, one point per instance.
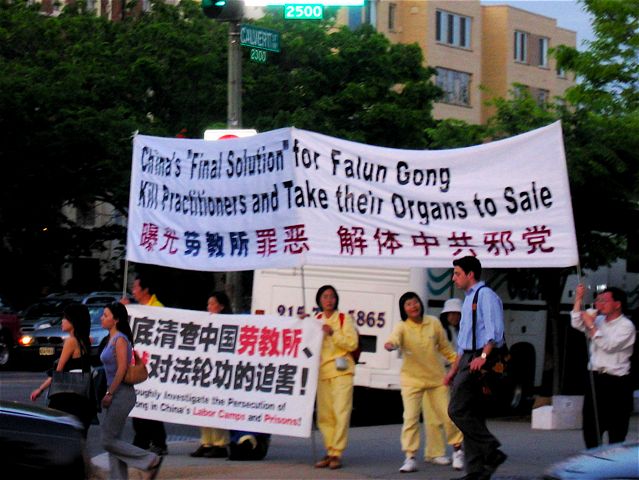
[[469, 264], [321, 290], [145, 285], [223, 299], [403, 299], [618, 295]]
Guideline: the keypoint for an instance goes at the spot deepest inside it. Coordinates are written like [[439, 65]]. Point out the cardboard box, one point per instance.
[[563, 414]]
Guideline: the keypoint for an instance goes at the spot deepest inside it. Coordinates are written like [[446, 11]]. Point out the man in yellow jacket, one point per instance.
[[423, 342], [335, 386]]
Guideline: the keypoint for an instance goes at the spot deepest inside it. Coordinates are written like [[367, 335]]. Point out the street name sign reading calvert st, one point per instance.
[[258, 37]]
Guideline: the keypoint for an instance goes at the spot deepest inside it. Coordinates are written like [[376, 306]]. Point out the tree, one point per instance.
[[75, 88]]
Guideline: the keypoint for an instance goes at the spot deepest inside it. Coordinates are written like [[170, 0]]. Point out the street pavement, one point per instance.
[[373, 452]]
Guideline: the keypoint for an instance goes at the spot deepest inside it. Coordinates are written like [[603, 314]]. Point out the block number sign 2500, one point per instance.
[[304, 12]]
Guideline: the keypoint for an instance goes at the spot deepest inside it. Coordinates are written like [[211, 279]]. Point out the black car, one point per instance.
[[40, 442]]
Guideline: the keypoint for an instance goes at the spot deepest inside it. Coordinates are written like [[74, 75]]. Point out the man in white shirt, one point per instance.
[[611, 337]]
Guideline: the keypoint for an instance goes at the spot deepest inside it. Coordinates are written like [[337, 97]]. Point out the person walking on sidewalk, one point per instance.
[[149, 434], [423, 342], [612, 337], [335, 386], [120, 399], [214, 441], [466, 407]]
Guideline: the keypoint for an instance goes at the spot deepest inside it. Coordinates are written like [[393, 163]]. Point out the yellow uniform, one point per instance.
[[421, 378], [154, 302], [335, 387]]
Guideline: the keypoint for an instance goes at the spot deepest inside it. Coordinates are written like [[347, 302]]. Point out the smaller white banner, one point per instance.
[[239, 372]]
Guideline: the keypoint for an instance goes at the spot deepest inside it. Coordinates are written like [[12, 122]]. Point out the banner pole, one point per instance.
[[313, 425], [126, 276], [591, 376]]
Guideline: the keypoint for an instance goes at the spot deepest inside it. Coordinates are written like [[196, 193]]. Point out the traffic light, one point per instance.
[[223, 10]]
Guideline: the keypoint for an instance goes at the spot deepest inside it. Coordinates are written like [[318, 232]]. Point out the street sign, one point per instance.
[[303, 12], [260, 38]]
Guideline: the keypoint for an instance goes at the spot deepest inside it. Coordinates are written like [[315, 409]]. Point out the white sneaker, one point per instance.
[[458, 459], [439, 460], [410, 465]]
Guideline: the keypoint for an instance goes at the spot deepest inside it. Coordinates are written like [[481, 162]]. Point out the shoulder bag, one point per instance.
[[77, 383], [136, 372], [495, 371]]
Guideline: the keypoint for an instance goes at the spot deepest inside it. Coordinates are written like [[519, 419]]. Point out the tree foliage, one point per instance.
[[75, 88]]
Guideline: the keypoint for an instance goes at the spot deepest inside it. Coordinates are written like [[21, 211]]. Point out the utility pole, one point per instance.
[[234, 94]]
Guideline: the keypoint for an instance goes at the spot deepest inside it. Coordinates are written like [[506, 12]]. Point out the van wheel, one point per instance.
[[522, 378]]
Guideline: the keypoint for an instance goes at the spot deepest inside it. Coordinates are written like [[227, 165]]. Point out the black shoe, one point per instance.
[[494, 460], [216, 452], [161, 451], [201, 451]]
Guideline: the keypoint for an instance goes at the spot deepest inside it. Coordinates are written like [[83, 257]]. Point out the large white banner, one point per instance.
[[237, 372], [291, 197]]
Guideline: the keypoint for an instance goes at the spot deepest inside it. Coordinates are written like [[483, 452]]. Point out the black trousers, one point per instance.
[[613, 396], [148, 432], [467, 410]]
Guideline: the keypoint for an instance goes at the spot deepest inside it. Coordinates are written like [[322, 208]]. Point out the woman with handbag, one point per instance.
[[75, 356], [337, 367], [120, 399]]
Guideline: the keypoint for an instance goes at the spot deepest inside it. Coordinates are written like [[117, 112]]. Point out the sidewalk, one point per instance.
[[373, 452]]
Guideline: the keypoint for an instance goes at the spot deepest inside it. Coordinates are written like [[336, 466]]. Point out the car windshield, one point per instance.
[[46, 308], [96, 315]]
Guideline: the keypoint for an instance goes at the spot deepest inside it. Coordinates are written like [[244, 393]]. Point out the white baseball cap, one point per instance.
[[452, 305]]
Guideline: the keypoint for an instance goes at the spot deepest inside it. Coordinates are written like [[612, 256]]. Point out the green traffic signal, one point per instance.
[[223, 9]]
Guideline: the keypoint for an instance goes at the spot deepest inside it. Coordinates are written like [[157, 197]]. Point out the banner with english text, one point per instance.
[[239, 372], [291, 197]]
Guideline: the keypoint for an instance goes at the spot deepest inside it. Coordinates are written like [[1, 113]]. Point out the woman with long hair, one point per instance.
[[423, 343], [214, 441], [337, 367], [120, 399], [76, 355]]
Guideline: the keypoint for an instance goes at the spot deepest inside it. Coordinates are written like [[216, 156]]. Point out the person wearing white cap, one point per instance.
[[450, 318]]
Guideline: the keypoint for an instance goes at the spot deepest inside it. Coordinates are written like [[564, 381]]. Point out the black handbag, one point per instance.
[[78, 383], [494, 373]]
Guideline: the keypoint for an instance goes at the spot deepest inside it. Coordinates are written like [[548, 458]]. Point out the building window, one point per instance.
[[542, 96], [354, 18], [392, 12], [452, 29], [561, 73], [543, 52], [456, 86], [521, 47]]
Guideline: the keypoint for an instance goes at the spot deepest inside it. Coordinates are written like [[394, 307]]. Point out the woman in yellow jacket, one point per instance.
[[335, 386], [423, 342]]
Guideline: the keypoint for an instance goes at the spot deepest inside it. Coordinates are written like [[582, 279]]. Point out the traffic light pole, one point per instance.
[[234, 112]]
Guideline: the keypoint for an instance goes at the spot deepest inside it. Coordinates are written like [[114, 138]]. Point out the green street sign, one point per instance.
[[303, 12], [260, 38], [258, 56]]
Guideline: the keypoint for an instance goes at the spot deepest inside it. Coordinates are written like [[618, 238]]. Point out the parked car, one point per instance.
[[9, 336], [47, 311], [38, 442], [41, 347], [617, 460]]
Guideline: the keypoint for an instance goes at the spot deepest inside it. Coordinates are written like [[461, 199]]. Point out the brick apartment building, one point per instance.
[[479, 51]]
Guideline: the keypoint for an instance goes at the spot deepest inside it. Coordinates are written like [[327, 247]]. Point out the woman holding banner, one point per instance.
[[335, 386], [214, 441]]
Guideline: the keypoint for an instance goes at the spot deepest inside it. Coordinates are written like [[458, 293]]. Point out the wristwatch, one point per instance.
[[108, 393], [483, 355]]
